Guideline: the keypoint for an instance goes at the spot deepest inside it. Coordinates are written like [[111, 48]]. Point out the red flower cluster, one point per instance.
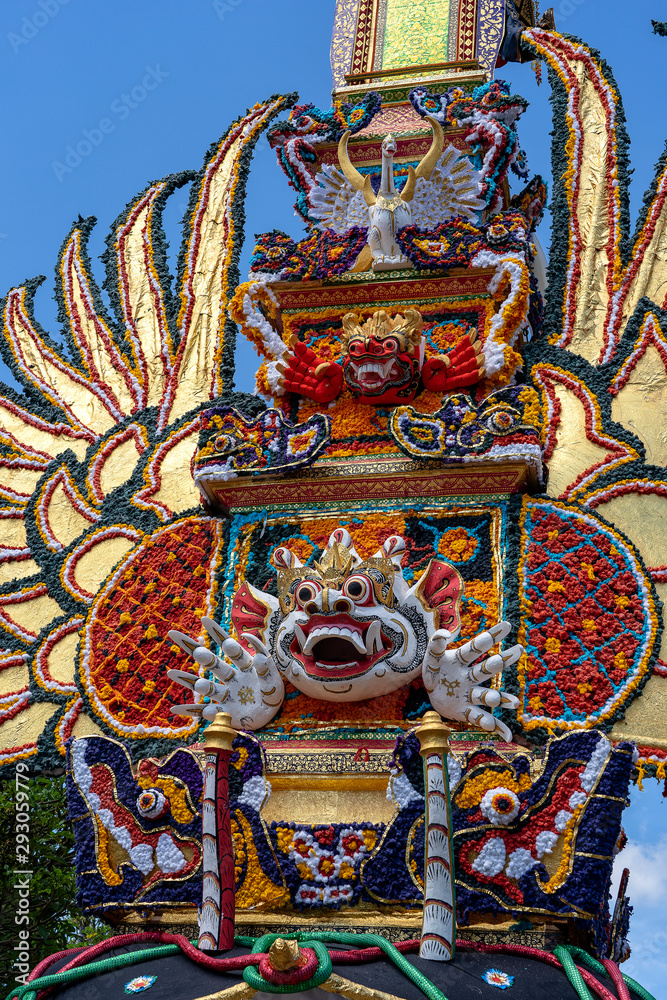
[[585, 621]]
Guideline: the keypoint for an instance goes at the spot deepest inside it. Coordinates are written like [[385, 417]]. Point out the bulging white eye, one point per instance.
[[152, 803], [307, 591], [358, 588]]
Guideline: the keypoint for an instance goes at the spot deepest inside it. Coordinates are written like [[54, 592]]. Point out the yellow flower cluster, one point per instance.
[[256, 891], [108, 874], [458, 545], [475, 788]]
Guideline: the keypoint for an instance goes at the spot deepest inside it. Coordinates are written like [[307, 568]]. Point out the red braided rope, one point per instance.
[[288, 977], [371, 954], [356, 955], [47, 962], [543, 956], [160, 937], [617, 979]]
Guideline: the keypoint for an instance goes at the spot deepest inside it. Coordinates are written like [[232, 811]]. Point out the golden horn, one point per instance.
[[358, 182], [408, 189], [427, 165]]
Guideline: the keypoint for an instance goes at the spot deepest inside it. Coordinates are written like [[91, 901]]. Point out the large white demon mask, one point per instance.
[[344, 630], [350, 630]]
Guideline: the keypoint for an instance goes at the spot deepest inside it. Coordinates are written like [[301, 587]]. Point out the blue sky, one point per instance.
[[66, 66], [645, 822]]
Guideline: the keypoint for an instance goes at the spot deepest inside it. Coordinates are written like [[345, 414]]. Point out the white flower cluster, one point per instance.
[[500, 806]]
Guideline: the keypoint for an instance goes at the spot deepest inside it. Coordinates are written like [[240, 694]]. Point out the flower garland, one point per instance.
[[11, 705], [585, 602], [255, 308], [129, 619], [41, 660], [22, 331], [547, 376], [488, 115], [147, 498], [148, 206], [321, 255], [17, 552], [460, 430], [294, 141], [512, 316], [68, 570], [244, 133], [579, 76], [650, 333], [9, 598], [78, 311], [322, 863], [110, 802], [12, 491], [508, 818], [16, 417], [131, 432], [61, 479], [629, 289], [231, 443], [65, 723]]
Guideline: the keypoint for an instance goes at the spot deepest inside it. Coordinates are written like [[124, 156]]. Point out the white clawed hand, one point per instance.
[[453, 684], [249, 687]]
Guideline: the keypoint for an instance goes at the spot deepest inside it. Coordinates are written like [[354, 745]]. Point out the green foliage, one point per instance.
[[56, 922]]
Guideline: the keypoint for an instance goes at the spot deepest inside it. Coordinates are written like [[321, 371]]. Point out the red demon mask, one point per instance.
[[382, 359]]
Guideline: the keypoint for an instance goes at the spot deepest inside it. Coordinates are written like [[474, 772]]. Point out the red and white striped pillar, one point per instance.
[[216, 918], [438, 937]]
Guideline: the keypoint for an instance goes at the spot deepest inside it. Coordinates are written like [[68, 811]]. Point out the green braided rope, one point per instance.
[[315, 941], [584, 957], [637, 988], [572, 972], [255, 979], [375, 941], [29, 990], [596, 966]]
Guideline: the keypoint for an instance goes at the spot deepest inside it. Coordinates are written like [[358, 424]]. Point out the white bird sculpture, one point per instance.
[[443, 185]]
